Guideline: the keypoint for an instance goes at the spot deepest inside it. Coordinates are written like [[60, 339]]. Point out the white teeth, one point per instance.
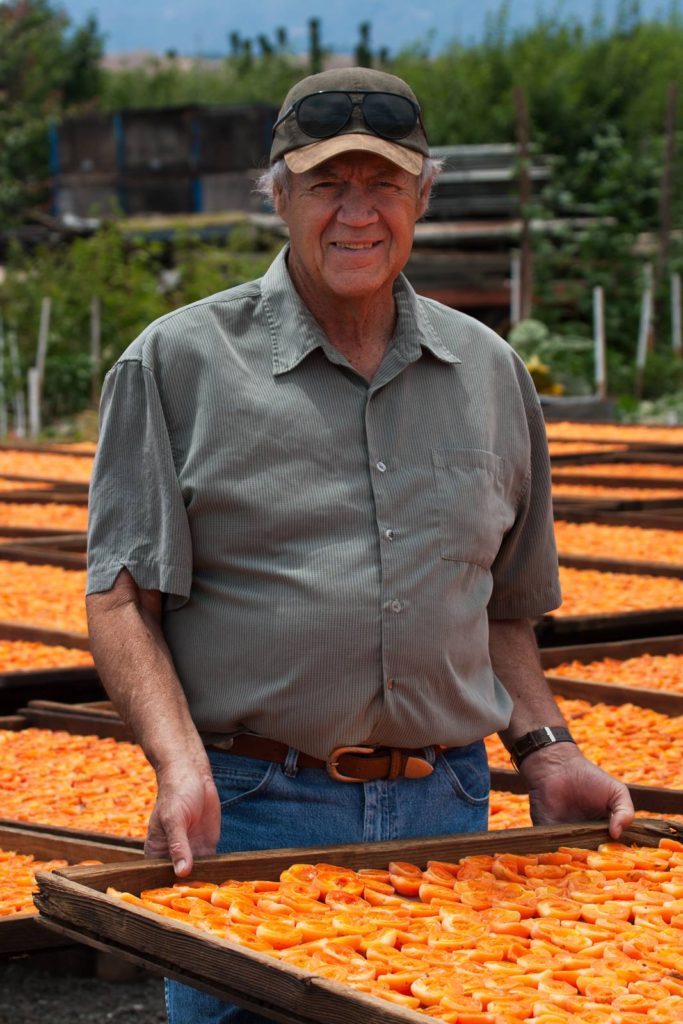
[[354, 245]]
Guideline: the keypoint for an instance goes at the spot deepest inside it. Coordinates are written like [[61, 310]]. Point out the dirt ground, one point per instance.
[[74, 987]]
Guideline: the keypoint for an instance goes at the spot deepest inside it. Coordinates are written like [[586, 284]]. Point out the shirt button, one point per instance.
[[381, 466], [389, 534], [396, 606], [390, 684]]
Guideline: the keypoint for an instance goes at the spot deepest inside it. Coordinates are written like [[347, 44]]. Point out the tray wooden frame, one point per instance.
[[74, 903]]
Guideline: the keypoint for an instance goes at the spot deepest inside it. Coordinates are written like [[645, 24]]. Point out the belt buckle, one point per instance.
[[332, 762], [412, 767]]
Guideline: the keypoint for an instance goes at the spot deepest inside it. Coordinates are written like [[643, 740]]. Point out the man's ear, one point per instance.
[[280, 203]]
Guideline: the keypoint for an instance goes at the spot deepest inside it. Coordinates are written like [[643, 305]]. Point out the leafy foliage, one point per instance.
[[45, 70], [127, 275]]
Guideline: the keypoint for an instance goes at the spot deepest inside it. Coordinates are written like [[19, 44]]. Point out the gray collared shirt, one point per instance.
[[330, 550]]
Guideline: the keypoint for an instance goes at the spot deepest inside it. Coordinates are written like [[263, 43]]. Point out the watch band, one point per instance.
[[536, 740]]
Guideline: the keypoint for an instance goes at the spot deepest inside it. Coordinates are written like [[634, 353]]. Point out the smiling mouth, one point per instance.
[[355, 246]]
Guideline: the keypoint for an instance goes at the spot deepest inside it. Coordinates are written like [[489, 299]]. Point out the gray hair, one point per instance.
[[276, 178]]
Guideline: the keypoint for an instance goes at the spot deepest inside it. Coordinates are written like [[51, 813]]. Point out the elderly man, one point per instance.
[[320, 524]]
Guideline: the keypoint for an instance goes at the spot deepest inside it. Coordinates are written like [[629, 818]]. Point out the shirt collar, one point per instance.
[[295, 332]]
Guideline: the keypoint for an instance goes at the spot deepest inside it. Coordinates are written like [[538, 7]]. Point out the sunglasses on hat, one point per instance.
[[324, 114]]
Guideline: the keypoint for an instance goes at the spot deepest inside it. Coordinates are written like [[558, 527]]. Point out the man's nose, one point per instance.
[[357, 207]]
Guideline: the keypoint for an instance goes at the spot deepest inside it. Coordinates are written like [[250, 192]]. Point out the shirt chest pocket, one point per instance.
[[474, 508]]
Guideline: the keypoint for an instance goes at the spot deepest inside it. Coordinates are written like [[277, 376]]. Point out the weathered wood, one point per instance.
[[75, 903], [24, 631], [636, 568]]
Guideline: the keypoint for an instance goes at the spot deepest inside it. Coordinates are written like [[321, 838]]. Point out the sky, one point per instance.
[[202, 26]]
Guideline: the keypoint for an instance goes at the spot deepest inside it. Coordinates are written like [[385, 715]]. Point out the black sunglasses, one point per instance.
[[324, 114]]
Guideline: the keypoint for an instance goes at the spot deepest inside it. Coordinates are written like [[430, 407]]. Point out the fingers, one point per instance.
[[621, 811]]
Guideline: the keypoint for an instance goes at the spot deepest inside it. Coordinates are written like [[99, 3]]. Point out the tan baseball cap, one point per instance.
[[302, 152]]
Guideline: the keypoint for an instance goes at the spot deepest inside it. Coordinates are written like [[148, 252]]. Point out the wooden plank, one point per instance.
[[622, 649], [557, 626], [660, 519], [593, 479], [75, 901], [19, 688], [620, 565], [24, 631], [656, 799], [53, 715], [36, 556], [104, 838]]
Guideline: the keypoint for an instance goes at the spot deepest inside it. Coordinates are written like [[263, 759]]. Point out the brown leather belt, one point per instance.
[[344, 764]]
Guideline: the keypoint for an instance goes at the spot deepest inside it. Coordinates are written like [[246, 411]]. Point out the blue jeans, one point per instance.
[[270, 806]]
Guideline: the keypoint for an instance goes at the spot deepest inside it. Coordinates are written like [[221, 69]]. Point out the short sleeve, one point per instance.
[[137, 518], [525, 571]]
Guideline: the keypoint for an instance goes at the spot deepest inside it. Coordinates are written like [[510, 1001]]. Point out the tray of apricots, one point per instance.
[[548, 925], [646, 672], [42, 664], [23, 852]]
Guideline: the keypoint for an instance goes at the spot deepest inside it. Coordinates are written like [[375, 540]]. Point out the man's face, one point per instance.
[[351, 223]]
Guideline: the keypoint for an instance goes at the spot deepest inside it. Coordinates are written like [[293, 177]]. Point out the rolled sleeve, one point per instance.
[[137, 518], [525, 571]]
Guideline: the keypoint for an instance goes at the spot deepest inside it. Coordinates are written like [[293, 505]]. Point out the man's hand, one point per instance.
[[564, 786], [186, 819]]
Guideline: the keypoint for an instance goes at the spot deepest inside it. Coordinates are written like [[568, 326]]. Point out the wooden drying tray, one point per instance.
[[95, 723], [638, 568], [94, 718], [553, 630], [74, 903], [21, 631], [654, 799], [666, 703], [18, 687], [22, 933]]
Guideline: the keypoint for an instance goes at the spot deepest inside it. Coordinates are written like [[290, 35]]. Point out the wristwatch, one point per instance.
[[536, 740]]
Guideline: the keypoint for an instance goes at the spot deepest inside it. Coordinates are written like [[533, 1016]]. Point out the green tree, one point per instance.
[[45, 70]]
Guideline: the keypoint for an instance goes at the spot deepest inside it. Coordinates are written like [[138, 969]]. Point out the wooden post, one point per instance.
[[676, 338], [19, 404], [36, 375], [95, 349], [3, 390], [515, 281], [526, 254], [43, 335], [34, 422], [599, 343], [665, 187], [645, 327]]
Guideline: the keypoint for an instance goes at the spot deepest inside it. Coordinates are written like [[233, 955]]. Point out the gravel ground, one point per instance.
[[69, 987]]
